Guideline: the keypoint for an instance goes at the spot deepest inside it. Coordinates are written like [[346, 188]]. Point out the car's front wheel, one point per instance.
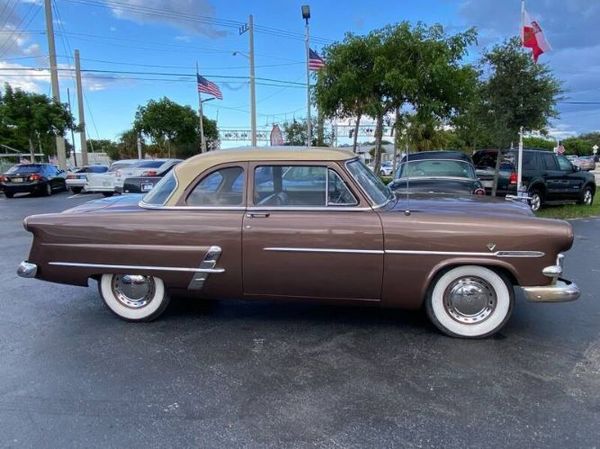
[[470, 301], [134, 297], [76, 190], [107, 194]]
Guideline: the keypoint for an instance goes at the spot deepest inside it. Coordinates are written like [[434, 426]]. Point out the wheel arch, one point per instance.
[[500, 267]]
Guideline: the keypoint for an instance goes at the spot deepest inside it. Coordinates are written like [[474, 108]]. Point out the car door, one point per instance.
[[556, 184], [301, 242], [51, 173], [572, 179]]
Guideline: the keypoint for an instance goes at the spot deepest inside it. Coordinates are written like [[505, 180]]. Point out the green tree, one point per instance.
[[33, 119], [538, 142], [296, 133], [173, 128], [517, 93], [103, 146]]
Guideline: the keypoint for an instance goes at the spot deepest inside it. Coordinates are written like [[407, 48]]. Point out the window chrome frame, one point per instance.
[[145, 205]]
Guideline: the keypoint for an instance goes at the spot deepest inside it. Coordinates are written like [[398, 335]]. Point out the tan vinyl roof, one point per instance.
[[187, 170]]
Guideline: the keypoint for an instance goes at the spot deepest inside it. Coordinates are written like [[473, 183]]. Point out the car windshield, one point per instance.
[[436, 168], [373, 186], [161, 192], [30, 168]]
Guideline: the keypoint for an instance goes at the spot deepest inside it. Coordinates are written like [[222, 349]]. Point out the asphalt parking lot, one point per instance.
[[266, 375]]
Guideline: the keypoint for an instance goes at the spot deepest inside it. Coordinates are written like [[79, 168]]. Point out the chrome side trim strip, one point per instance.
[[468, 253], [137, 267], [306, 208], [406, 252], [208, 263], [324, 250], [159, 207]]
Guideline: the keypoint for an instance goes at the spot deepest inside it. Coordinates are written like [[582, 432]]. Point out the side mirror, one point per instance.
[[576, 168]]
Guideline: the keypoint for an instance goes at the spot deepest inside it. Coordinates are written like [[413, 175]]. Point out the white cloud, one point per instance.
[[23, 77], [183, 38], [173, 12]]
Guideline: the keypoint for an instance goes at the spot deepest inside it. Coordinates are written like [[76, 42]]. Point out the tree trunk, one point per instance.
[[355, 136], [396, 134], [31, 150], [496, 172], [378, 137]]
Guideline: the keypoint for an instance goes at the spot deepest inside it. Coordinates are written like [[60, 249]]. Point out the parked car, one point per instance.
[[437, 172], [42, 179], [77, 179], [587, 163], [211, 226], [548, 178], [386, 168], [148, 179], [105, 183], [145, 167]]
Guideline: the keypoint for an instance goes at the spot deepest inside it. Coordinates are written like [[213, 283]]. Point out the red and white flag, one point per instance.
[[533, 37]]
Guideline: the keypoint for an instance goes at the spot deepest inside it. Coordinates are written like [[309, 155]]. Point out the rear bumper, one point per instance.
[[27, 270], [25, 187], [561, 291], [76, 182]]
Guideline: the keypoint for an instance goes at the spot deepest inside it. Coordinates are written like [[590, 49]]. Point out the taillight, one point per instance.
[[479, 191], [513, 178], [150, 173], [35, 177], [3, 179], [71, 177]]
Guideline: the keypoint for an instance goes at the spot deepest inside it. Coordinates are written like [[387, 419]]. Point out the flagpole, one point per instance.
[[308, 124], [520, 155], [202, 140]]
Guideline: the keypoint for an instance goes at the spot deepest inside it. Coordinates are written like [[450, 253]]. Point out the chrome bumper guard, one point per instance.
[[27, 270], [560, 290]]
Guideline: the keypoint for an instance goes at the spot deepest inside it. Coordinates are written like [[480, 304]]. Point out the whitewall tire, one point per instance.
[[134, 297], [470, 301]]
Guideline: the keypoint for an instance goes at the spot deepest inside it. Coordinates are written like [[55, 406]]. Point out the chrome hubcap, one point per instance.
[[470, 300], [133, 290], [587, 197], [536, 201]]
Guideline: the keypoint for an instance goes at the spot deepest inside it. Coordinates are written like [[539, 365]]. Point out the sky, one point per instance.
[[161, 41]]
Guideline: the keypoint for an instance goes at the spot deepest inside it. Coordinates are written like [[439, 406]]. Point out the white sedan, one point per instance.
[[105, 183], [78, 177]]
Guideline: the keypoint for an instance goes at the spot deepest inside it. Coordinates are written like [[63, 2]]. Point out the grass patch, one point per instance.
[[572, 210]]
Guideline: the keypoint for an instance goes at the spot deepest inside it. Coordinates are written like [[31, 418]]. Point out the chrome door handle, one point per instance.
[[258, 214]]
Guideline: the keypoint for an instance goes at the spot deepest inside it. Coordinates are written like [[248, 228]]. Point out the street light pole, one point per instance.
[[60, 141], [252, 81], [306, 16]]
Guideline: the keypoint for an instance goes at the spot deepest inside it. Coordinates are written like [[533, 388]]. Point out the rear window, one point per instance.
[[30, 168], [149, 164], [120, 165]]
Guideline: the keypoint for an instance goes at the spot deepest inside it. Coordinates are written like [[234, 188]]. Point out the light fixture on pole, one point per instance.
[[306, 16]]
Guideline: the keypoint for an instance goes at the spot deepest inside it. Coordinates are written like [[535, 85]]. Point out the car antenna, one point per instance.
[[407, 210]]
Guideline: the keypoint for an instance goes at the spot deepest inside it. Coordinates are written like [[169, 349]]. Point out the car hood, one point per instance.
[[435, 185], [472, 205], [116, 203]]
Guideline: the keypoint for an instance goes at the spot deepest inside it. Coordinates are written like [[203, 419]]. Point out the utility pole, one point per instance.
[[80, 109], [72, 132], [252, 80], [60, 141], [139, 147], [306, 16]]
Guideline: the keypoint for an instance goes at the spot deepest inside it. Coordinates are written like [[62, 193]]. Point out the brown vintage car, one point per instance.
[[304, 224]]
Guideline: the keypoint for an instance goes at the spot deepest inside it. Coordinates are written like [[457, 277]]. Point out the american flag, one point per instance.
[[208, 87], [315, 62]]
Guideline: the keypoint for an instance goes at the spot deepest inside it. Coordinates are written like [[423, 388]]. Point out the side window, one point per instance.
[[338, 192], [528, 161], [289, 185], [564, 164], [548, 161], [224, 187]]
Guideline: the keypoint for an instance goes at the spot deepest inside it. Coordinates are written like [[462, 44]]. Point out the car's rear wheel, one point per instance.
[[536, 199], [76, 190], [9, 194], [107, 194], [47, 189], [134, 297], [587, 196], [470, 301]]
